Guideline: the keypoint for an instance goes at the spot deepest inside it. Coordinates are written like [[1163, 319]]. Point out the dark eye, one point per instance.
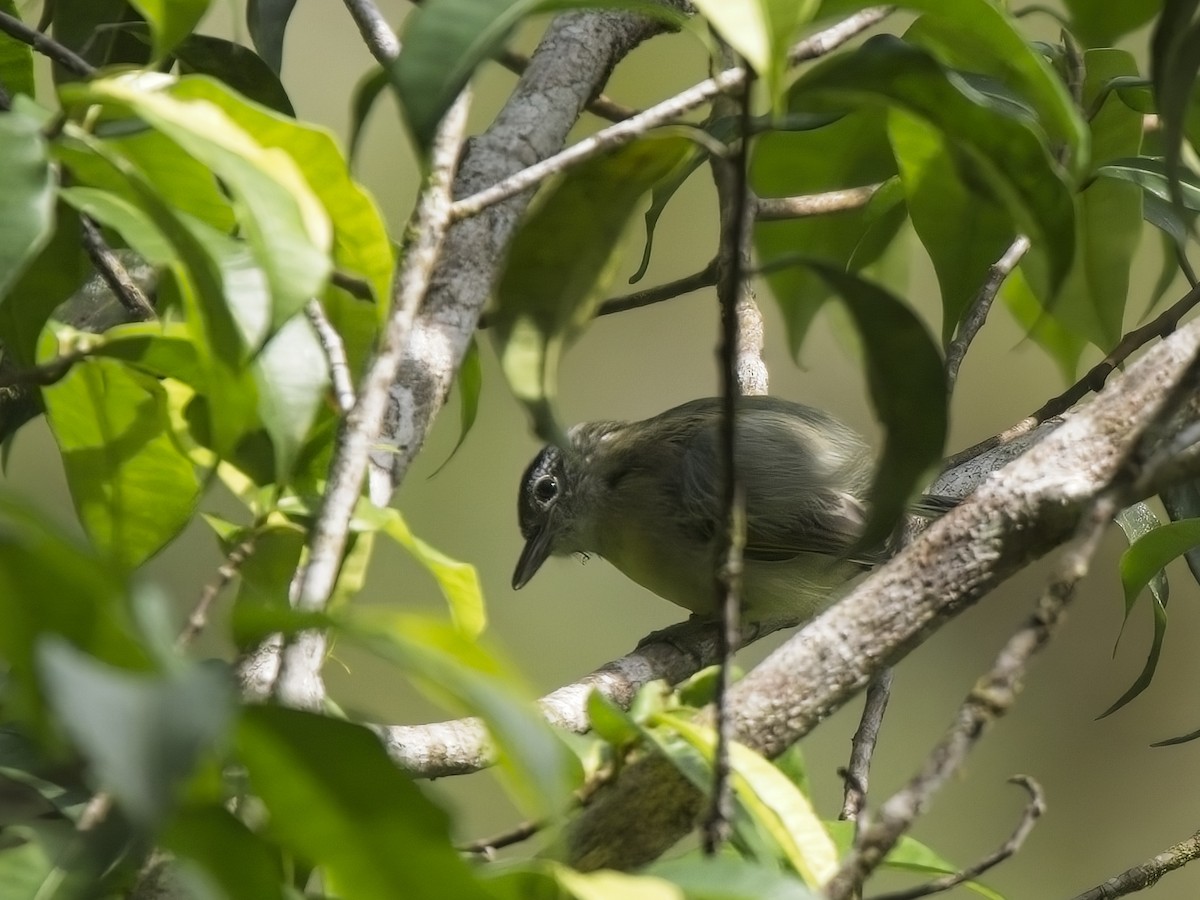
[[545, 489]]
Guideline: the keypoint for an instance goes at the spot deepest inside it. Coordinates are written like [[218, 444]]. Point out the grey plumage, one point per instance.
[[646, 497]]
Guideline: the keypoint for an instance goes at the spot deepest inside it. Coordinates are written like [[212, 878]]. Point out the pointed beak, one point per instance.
[[537, 548]]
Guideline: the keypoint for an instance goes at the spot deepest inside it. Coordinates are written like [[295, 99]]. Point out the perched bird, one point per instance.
[[646, 496]]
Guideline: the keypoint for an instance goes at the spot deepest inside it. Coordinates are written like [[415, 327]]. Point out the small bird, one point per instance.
[[646, 496]]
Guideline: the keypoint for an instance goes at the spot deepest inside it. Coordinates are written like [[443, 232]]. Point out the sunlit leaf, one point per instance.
[[26, 196], [729, 878]]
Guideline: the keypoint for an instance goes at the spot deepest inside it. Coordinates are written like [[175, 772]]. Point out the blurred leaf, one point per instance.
[[267, 22], [660, 195], [103, 32], [606, 884], [133, 488], [908, 390], [728, 878], [26, 196], [282, 218], [337, 801], [445, 40], [162, 349], [456, 671], [760, 31], [469, 382], [292, 375], [114, 211], [170, 20], [908, 855], [1174, 60], [366, 92], [1098, 23], [962, 225], [1182, 501], [1010, 154], [27, 867], [609, 721], [16, 58], [560, 264], [850, 152], [238, 859], [238, 67], [361, 245], [1064, 347], [142, 735]]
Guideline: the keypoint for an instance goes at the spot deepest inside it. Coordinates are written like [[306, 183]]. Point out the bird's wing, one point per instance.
[[795, 502]]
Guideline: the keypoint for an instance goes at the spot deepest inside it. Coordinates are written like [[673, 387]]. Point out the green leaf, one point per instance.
[[964, 229], [170, 20], [337, 801], [1136, 522], [1098, 23], [908, 390], [1107, 214], [457, 672], [267, 22], [16, 58], [1065, 347], [239, 67], [1182, 501], [26, 196], [470, 383], [124, 217], [1011, 155], [609, 721], [366, 92], [103, 32], [142, 735], [561, 262], [133, 488], [445, 40], [760, 31], [728, 878], [851, 152], [292, 375], [28, 868], [283, 220], [1174, 60], [239, 860]]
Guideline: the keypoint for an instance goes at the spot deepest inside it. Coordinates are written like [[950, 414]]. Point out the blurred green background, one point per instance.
[[1113, 801]]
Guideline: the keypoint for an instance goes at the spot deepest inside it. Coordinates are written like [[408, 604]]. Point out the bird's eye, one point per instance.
[[545, 489]]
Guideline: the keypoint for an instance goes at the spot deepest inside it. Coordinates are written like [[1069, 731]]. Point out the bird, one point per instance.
[[647, 497]]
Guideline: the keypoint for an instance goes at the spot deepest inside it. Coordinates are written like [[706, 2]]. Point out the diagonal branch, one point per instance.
[[1146, 874]]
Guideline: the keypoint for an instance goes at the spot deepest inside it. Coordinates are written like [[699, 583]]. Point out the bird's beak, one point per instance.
[[537, 548]]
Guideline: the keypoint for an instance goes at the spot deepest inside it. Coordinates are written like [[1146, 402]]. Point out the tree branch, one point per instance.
[[774, 209], [981, 304], [376, 33], [45, 45], [862, 745], [602, 105], [124, 288], [1146, 874]]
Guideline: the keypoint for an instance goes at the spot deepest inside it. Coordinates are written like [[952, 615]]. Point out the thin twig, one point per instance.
[[335, 355], [126, 290], [623, 132], [603, 105], [732, 179], [197, 620], [862, 745], [355, 287], [773, 209], [981, 304], [298, 681], [376, 33], [487, 847], [1034, 810], [47, 46], [50, 372], [1148, 873], [1094, 380]]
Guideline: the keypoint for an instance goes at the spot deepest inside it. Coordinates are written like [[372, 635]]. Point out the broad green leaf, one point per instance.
[[1108, 216], [238, 67], [609, 721], [1150, 174], [1099, 23], [103, 32], [458, 672], [77, 597], [292, 375], [170, 20], [962, 225], [119, 214], [776, 804], [728, 878], [1174, 61], [1182, 501], [982, 36], [1011, 156], [27, 867], [338, 802], [267, 22], [469, 382], [445, 40], [908, 855], [283, 220], [366, 92], [561, 262], [760, 31], [133, 488], [1065, 347], [1136, 522], [161, 349], [851, 152], [361, 245], [26, 196], [908, 390], [238, 859], [545, 878], [16, 58], [141, 734]]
